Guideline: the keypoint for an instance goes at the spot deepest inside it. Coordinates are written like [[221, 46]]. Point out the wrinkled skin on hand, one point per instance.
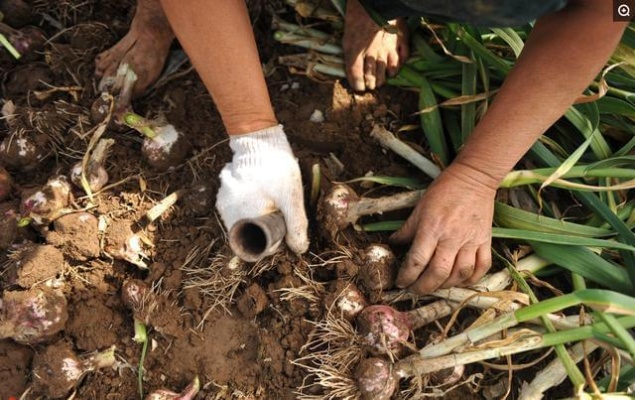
[[451, 232]]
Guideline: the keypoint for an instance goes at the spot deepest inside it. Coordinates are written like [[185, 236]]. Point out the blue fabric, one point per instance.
[[489, 13]]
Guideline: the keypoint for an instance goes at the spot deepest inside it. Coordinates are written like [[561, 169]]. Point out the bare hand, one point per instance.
[[371, 53], [451, 232]]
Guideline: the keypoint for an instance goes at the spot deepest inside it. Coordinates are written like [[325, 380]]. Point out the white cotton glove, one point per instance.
[[264, 177]]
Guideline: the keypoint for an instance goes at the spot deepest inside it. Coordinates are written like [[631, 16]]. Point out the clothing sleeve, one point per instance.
[[490, 13]]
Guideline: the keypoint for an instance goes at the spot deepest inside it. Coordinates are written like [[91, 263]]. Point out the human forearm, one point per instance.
[[565, 51], [218, 38]]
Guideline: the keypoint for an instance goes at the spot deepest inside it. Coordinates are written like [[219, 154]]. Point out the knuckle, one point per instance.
[[439, 274], [466, 271]]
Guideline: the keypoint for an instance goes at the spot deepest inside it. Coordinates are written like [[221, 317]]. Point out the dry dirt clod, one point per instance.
[[121, 243], [77, 235], [253, 301], [57, 369], [32, 316], [200, 200], [48, 203], [34, 264]]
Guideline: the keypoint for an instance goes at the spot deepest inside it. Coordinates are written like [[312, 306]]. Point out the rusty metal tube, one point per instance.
[[254, 238]]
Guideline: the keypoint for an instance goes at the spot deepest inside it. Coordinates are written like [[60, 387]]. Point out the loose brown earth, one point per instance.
[[241, 348]]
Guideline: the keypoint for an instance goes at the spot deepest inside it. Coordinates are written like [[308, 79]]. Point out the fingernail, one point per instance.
[[358, 84]]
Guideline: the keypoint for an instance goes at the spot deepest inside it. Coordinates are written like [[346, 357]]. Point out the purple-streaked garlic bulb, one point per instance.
[[379, 270], [384, 329], [346, 300], [32, 316], [5, 184], [95, 173], [187, 394], [27, 41], [57, 369], [375, 379], [48, 203]]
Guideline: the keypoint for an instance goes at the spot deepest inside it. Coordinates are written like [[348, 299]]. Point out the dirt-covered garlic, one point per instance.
[[346, 299], [334, 208], [187, 394], [115, 99], [96, 178], [341, 207], [167, 149], [379, 269], [100, 108], [164, 147], [57, 369], [150, 307], [34, 264], [95, 174], [23, 151], [375, 379], [16, 13], [5, 184], [32, 316], [28, 41], [384, 329], [49, 202], [139, 298], [9, 217]]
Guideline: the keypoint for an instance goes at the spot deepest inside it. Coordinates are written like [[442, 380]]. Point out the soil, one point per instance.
[[236, 326]]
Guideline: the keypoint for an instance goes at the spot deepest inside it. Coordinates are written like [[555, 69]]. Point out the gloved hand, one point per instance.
[[264, 177]]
